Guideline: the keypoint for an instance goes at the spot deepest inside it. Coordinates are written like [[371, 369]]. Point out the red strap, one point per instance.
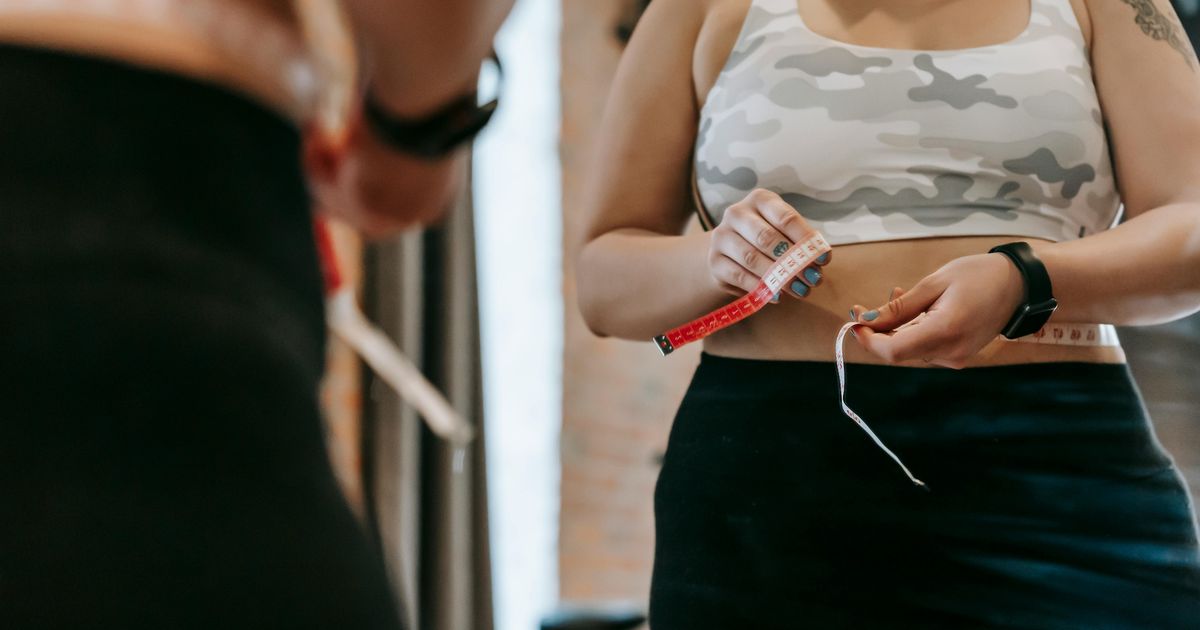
[[788, 266]]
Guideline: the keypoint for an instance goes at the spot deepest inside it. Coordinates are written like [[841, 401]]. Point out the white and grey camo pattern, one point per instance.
[[874, 144]]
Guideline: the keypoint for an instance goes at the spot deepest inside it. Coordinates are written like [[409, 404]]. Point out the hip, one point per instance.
[[1050, 502], [1002, 429]]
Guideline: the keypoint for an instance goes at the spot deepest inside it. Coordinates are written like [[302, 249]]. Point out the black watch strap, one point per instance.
[[433, 136], [1039, 293]]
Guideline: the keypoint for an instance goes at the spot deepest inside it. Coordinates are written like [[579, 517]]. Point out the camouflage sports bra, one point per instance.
[[875, 144]]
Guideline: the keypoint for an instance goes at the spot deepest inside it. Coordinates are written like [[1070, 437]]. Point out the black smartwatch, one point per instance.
[[433, 136], [1039, 294]]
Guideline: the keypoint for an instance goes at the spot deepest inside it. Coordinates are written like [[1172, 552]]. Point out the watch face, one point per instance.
[[1040, 308], [1029, 319]]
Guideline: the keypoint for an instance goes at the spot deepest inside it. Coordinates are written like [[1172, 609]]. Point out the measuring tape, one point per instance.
[[794, 261], [788, 266], [347, 321], [317, 70], [803, 254], [1073, 335]]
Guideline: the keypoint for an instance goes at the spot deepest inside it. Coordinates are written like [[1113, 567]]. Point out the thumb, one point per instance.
[[902, 307]]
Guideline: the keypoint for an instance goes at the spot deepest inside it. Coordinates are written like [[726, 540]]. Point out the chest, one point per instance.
[[923, 25]]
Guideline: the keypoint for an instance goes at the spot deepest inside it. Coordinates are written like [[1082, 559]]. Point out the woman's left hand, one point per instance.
[[948, 317]]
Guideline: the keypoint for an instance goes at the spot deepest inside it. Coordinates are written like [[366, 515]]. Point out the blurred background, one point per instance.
[[556, 506]]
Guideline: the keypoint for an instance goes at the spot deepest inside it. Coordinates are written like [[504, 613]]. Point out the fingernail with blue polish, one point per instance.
[[775, 299], [823, 258], [812, 275], [870, 316], [799, 288]]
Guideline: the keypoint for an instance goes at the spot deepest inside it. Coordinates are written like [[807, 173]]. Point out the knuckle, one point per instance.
[[792, 221], [760, 195], [722, 275], [765, 238], [728, 242], [719, 236], [739, 278], [750, 258]]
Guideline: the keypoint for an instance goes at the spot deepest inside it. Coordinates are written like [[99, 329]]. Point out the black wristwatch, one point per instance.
[[439, 133], [1039, 294]]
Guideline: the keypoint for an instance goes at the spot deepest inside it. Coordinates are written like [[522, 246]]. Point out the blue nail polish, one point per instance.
[[800, 288], [812, 275], [823, 258], [776, 298], [870, 316]]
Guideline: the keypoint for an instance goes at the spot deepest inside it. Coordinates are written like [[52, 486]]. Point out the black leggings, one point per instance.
[[162, 463], [1050, 503]]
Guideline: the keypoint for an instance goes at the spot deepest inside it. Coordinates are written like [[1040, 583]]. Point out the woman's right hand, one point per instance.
[[753, 233]]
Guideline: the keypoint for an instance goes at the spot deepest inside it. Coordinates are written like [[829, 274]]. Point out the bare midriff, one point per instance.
[[160, 46], [865, 274]]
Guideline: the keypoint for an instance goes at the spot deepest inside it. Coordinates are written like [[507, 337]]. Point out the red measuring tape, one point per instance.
[[791, 264], [788, 266]]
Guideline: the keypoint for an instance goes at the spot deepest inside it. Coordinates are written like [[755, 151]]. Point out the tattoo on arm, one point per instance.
[[1161, 28]]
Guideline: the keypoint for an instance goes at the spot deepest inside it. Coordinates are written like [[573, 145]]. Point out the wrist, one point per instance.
[[435, 134], [1051, 256], [418, 97], [713, 288], [1037, 303], [1015, 289]]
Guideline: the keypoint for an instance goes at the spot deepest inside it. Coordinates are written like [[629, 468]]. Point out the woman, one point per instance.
[[161, 457], [916, 137]]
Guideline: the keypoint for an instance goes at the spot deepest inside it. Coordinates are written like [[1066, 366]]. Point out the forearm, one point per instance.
[[635, 284], [1144, 271], [419, 53]]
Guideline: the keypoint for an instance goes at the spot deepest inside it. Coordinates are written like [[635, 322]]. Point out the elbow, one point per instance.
[[593, 321], [588, 292], [593, 315]]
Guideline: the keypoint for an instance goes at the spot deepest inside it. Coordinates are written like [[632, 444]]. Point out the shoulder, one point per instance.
[[723, 18], [697, 15], [1083, 15], [722, 21], [693, 12]]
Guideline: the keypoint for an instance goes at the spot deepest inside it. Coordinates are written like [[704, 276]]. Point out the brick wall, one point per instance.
[[618, 396]]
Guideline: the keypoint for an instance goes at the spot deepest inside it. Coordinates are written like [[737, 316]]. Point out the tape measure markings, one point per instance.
[[788, 266]]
